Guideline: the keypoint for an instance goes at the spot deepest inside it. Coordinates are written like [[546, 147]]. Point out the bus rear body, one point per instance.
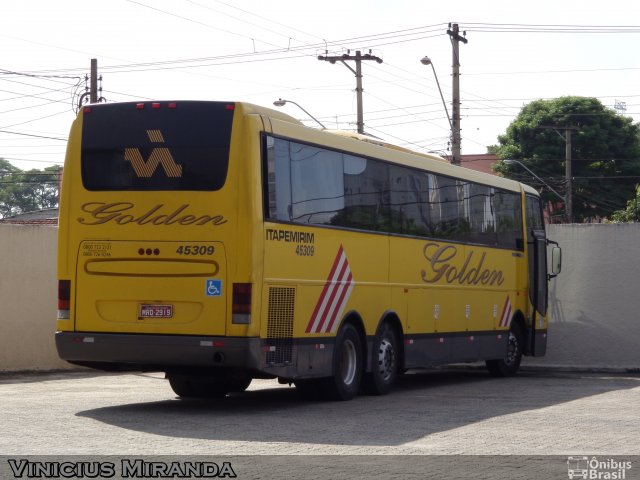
[[150, 242]]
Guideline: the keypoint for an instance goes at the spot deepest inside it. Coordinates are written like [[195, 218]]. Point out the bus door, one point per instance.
[[538, 289]]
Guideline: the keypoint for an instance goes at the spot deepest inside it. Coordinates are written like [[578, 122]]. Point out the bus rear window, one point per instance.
[[156, 146]]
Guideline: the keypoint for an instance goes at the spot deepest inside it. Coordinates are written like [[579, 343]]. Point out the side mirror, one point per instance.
[[556, 261]]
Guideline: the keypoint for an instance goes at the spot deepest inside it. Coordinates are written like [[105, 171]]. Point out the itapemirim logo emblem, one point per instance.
[[159, 156], [596, 469]]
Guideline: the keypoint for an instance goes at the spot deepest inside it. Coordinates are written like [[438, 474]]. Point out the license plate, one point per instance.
[[156, 311]]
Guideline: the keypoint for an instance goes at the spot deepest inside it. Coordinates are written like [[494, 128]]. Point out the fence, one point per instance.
[[594, 301]]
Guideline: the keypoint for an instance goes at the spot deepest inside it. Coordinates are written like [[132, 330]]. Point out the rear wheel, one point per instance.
[[384, 362], [192, 386], [347, 365], [510, 364]]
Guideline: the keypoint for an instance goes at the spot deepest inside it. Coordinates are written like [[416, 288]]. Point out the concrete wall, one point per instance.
[[594, 302], [28, 298]]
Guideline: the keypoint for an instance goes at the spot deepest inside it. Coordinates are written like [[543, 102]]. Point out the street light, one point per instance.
[[281, 103], [427, 61], [511, 162]]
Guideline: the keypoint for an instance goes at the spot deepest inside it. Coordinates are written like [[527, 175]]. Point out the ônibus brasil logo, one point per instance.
[[596, 469]]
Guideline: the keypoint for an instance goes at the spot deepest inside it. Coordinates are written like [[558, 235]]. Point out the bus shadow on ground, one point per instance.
[[422, 403]]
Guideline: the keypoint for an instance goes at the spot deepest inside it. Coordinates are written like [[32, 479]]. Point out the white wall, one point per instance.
[[594, 302], [28, 298]]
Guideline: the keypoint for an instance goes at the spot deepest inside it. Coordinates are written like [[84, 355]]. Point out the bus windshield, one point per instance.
[[170, 145]]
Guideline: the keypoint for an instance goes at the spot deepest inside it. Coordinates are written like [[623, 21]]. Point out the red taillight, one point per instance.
[[241, 311], [64, 299], [64, 294], [241, 298]]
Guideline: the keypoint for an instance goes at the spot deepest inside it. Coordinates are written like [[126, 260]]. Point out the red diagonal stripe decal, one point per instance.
[[334, 296], [506, 313]]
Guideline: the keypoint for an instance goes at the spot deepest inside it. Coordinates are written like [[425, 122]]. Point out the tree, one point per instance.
[[605, 153], [26, 191], [632, 212]]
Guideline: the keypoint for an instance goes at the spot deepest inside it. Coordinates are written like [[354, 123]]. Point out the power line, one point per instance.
[[23, 74], [196, 22], [418, 32], [247, 12], [33, 135], [26, 160], [34, 119], [548, 28]]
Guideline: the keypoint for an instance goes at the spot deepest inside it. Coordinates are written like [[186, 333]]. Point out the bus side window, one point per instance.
[[534, 214], [508, 212], [278, 179], [317, 184]]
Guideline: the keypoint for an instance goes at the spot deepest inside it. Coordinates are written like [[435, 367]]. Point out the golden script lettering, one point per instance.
[[121, 214], [472, 272]]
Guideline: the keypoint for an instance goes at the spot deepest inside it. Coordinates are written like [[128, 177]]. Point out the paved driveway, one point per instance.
[[450, 412]]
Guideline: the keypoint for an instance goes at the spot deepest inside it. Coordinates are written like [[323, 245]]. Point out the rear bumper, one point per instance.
[[144, 352], [111, 351]]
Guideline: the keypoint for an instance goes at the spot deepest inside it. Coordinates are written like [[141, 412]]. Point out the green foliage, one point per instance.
[[26, 191], [605, 150], [632, 212]]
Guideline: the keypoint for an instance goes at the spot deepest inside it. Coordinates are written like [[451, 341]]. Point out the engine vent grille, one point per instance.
[[280, 325]]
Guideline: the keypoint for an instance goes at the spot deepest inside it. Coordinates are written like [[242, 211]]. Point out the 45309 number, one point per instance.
[[305, 250], [195, 250]]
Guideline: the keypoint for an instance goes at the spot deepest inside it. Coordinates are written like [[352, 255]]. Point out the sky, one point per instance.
[[260, 51]]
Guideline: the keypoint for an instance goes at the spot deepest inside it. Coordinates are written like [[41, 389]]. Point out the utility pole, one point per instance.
[[453, 32], [358, 58], [568, 175], [59, 180], [568, 201], [93, 90]]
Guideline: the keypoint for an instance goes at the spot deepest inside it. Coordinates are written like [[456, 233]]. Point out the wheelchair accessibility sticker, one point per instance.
[[213, 288]]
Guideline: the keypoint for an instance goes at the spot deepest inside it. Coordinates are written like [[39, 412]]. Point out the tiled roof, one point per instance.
[[47, 216], [38, 221], [479, 162]]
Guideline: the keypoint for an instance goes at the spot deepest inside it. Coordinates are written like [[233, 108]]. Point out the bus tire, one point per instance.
[[204, 387], [347, 365], [384, 362], [509, 365]]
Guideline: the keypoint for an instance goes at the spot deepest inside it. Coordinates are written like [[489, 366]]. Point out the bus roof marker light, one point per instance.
[[155, 105], [139, 106], [172, 105]]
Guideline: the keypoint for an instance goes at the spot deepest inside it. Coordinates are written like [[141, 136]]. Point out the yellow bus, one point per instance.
[[221, 241]]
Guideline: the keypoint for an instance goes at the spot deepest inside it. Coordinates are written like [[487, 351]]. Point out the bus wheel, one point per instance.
[[205, 387], [509, 365], [347, 365], [384, 362]]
